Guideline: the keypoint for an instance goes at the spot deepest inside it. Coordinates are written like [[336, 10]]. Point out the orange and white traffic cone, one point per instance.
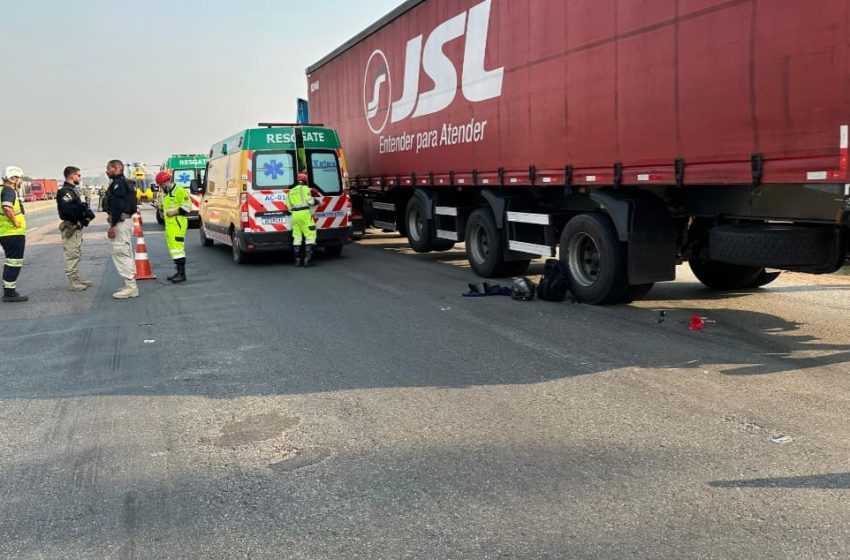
[[137, 224], [143, 263]]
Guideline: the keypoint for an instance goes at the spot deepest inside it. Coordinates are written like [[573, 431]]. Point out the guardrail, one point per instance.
[[39, 206]]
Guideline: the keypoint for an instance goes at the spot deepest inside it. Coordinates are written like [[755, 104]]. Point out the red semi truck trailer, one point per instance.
[[44, 189], [627, 135]]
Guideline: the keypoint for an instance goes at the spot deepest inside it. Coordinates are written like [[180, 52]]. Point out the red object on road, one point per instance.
[[462, 89], [697, 323]]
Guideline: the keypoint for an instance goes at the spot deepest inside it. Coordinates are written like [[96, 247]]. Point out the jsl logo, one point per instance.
[[477, 84]]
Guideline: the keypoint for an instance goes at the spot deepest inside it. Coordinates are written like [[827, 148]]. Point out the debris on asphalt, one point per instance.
[[149, 341], [661, 316], [781, 439], [487, 290], [697, 323]]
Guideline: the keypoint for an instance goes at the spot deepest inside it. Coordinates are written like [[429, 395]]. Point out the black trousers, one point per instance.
[[13, 247]]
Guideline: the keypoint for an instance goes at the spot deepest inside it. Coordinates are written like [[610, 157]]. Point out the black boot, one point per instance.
[[11, 295], [309, 257], [299, 256], [181, 272]]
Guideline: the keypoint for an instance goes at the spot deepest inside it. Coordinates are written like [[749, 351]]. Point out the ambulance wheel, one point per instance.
[[417, 226], [484, 246], [595, 259], [334, 250], [239, 256], [159, 217], [205, 241]]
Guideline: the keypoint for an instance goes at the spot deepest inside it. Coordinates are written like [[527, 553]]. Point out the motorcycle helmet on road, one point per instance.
[[522, 289]]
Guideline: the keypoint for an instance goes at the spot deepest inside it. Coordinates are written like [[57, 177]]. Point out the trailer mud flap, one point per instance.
[[643, 224]]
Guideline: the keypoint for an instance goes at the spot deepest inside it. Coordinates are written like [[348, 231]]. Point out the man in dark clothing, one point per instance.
[[13, 233], [75, 215], [121, 205]]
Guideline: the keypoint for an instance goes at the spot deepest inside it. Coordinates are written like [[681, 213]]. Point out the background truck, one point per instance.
[[43, 189], [626, 136]]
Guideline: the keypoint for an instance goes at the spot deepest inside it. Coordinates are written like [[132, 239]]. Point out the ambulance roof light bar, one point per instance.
[[272, 124]]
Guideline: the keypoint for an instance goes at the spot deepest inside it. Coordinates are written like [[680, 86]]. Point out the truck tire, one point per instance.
[[484, 246], [159, 217], [595, 259], [718, 275], [205, 241], [417, 226], [776, 246]]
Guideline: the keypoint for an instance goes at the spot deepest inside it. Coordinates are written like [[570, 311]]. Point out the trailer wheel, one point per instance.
[[484, 245], [205, 241], [417, 226], [718, 275], [594, 258]]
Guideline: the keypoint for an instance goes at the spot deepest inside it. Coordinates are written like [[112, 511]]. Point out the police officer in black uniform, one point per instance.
[[75, 215], [121, 205]]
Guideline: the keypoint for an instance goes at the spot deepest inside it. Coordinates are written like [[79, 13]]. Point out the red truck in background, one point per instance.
[[43, 189], [624, 136]]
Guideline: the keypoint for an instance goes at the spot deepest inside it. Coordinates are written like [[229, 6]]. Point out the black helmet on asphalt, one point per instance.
[[522, 289]]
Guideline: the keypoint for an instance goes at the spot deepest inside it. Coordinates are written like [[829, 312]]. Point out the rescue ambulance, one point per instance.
[[188, 171], [248, 177]]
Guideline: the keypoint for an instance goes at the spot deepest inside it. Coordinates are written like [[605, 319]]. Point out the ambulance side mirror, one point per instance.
[[196, 187]]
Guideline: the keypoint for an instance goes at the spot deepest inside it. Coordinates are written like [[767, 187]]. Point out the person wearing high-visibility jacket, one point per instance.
[[13, 233], [176, 206], [298, 201]]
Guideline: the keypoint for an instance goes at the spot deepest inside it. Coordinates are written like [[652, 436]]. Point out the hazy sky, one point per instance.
[[84, 82]]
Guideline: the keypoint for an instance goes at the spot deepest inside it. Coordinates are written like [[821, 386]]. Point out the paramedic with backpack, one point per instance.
[[176, 206], [299, 200]]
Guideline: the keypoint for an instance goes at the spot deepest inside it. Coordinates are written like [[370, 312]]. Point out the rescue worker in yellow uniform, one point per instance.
[[13, 233], [298, 201], [176, 206]]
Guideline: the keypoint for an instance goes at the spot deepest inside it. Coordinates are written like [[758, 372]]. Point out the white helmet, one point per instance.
[[13, 171]]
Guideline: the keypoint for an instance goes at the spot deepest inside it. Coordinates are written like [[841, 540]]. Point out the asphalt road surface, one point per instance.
[[364, 409]]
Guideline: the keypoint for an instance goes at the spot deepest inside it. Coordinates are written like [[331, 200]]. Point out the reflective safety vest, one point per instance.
[[177, 198], [6, 226], [299, 198]]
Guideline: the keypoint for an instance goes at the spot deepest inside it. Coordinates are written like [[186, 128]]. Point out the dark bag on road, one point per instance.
[[555, 284]]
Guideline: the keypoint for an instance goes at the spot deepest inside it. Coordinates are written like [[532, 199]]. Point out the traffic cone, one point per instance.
[[137, 224], [697, 323], [143, 264]]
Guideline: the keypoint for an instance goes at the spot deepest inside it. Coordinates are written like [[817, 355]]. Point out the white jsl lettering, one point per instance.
[[477, 84]]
